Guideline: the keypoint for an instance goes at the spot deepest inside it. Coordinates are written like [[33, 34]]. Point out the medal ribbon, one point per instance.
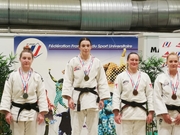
[[25, 81], [174, 87], [86, 72], [134, 85]]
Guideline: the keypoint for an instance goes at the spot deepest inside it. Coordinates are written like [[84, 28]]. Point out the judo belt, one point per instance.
[[84, 90], [27, 106], [173, 107], [133, 104]]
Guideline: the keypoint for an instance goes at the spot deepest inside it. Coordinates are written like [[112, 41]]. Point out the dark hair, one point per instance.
[[84, 38], [132, 53], [26, 49]]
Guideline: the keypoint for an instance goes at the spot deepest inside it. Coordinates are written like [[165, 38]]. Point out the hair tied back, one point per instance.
[[26, 48]]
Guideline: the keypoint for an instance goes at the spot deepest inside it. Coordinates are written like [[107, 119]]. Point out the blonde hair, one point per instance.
[[172, 53]]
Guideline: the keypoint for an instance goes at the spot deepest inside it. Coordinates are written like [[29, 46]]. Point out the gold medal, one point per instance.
[[135, 92], [86, 77], [174, 97], [25, 95]]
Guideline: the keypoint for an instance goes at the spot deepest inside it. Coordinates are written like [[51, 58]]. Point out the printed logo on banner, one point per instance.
[[38, 48], [166, 54], [178, 53], [166, 44], [178, 45], [35, 48]]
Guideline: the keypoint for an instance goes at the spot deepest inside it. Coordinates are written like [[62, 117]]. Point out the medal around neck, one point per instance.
[[135, 92], [86, 77], [25, 95], [174, 97]]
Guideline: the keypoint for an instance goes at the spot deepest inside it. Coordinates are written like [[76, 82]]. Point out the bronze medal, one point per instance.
[[86, 78], [25, 95], [174, 97], [135, 92]]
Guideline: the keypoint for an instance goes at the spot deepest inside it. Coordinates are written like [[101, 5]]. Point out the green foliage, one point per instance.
[[6, 64], [152, 66]]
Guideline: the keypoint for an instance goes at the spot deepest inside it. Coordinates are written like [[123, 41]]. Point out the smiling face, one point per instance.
[[133, 62], [172, 62], [26, 60]]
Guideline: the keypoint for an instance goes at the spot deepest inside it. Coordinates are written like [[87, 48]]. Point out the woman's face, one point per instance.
[[172, 62], [85, 47], [26, 60], [133, 61]]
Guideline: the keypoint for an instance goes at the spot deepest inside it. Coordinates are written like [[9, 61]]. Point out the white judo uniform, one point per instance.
[[74, 77], [13, 92], [133, 118], [162, 97]]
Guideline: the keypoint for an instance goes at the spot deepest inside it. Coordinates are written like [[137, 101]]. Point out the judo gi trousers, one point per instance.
[[89, 116], [167, 129], [24, 127], [133, 127]]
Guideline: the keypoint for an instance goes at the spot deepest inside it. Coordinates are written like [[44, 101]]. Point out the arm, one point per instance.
[[52, 76], [7, 95], [160, 107], [67, 88], [50, 105], [116, 100], [6, 100], [42, 100], [102, 84], [149, 95]]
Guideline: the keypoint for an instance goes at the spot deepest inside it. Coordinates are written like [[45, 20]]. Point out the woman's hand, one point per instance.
[[150, 117], [40, 118], [101, 104], [8, 117], [167, 118], [71, 103], [177, 120], [117, 116]]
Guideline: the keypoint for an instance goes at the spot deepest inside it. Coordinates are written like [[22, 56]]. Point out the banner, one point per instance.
[[51, 54], [168, 45]]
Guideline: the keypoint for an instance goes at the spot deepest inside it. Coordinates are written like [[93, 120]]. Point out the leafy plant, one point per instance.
[[6, 64], [152, 66]]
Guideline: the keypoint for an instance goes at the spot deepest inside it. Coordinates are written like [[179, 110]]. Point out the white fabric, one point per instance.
[[13, 91], [74, 77], [162, 96], [165, 128], [91, 121], [124, 90], [163, 93], [133, 127], [24, 127]]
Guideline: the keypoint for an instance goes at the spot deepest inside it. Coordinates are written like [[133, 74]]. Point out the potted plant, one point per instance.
[[6, 64], [152, 66]]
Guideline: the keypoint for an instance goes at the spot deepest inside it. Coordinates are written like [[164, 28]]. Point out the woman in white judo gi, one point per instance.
[[167, 98], [85, 86], [133, 91], [24, 99]]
